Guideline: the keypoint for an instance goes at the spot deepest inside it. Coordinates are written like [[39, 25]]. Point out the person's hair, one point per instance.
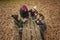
[[40, 14]]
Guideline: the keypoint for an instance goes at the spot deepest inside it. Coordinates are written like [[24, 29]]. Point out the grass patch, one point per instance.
[[3, 2]]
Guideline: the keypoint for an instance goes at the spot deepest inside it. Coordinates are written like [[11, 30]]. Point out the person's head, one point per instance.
[[24, 7], [42, 17], [38, 16], [34, 8]]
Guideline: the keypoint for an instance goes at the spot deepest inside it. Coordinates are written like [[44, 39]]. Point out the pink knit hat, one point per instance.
[[24, 7]]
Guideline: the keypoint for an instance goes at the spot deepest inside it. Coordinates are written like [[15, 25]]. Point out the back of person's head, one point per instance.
[[35, 7], [24, 7], [41, 15]]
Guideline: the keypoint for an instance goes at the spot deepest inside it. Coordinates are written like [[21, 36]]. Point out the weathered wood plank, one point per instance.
[[38, 35], [26, 32], [37, 31], [31, 31]]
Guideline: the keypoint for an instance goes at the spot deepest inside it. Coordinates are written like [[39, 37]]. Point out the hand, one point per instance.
[[25, 20], [18, 17], [33, 20], [37, 21]]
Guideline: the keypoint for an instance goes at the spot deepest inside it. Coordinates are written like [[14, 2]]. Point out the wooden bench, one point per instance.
[[30, 31]]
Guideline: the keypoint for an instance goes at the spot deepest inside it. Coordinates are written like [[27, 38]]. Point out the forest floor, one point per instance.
[[49, 8]]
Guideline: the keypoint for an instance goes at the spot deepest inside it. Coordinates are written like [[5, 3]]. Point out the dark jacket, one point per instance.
[[32, 12], [24, 14], [41, 24]]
